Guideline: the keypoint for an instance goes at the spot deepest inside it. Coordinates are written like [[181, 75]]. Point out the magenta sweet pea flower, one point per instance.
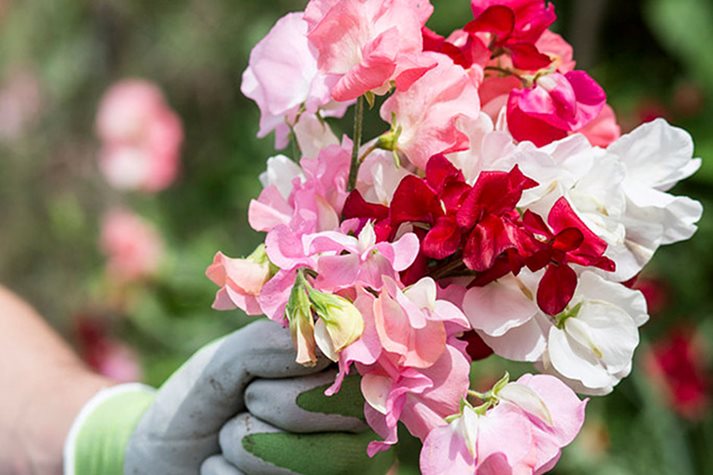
[[556, 105]]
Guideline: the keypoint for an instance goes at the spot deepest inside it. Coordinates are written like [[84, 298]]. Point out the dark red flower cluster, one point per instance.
[[477, 230]]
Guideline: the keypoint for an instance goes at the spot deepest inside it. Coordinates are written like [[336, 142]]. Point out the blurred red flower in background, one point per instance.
[[676, 364]]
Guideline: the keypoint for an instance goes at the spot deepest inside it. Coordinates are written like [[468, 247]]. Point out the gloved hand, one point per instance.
[[132, 429], [291, 427]]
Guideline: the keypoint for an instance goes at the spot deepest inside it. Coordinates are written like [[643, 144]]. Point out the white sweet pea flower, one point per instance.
[[591, 345], [655, 156]]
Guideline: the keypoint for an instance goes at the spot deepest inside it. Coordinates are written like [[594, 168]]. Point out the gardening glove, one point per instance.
[[134, 429], [291, 427]]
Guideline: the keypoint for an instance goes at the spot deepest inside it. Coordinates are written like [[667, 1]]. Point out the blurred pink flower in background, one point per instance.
[[676, 365], [106, 355], [20, 103], [141, 137], [133, 247]]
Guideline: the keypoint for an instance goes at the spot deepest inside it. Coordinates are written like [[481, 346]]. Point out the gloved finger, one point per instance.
[[257, 447], [218, 465], [180, 429], [299, 404]]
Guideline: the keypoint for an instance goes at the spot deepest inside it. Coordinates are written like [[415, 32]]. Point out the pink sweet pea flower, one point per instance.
[[411, 322], [604, 129], [554, 410], [498, 442], [364, 44], [420, 398], [521, 430], [351, 261], [561, 52], [240, 280], [556, 105], [431, 114], [282, 77], [133, 247], [307, 198], [141, 137]]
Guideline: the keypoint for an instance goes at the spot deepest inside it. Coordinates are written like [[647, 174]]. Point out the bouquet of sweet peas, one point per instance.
[[500, 211]]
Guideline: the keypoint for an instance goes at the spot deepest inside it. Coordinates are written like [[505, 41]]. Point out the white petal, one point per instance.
[[324, 342], [499, 306], [281, 171], [526, 399], [524, 343]]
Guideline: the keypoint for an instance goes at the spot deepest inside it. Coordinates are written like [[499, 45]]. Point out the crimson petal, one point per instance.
[[443, 239], [414, 201], [556, 289]]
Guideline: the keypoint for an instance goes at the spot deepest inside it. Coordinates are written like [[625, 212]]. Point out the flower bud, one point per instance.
[[299, 314], [340, 323]]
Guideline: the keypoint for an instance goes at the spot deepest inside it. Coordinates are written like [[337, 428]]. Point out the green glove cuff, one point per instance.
[[99, 435]]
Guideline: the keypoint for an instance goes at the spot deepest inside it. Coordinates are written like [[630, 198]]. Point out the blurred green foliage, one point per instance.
[[652, 55]]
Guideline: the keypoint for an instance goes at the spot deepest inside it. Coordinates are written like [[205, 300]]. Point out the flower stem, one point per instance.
[[358, 122]]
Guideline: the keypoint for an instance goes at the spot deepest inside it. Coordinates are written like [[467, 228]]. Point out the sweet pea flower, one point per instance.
[[141, 137], [656, 157], [499, 441], [359, 260], [532, 419], [379, 177], [420, 398], [133, 247], [283, 79], [432, 115], [558, 49], [556, 105], [240, 280], [411, 322], [313, 134], [362, 45], [590, 345], [309, 197]]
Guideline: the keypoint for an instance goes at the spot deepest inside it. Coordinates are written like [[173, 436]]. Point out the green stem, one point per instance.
[[367, 152], [358, 123]]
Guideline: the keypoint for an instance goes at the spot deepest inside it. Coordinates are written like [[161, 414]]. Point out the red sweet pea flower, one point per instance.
[[450, 216], [531, 17], [466, 53], [489, 210], [515, 26], [567, 240]]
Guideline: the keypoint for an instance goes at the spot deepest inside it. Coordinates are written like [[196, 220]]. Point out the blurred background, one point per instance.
[[71, 220]]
